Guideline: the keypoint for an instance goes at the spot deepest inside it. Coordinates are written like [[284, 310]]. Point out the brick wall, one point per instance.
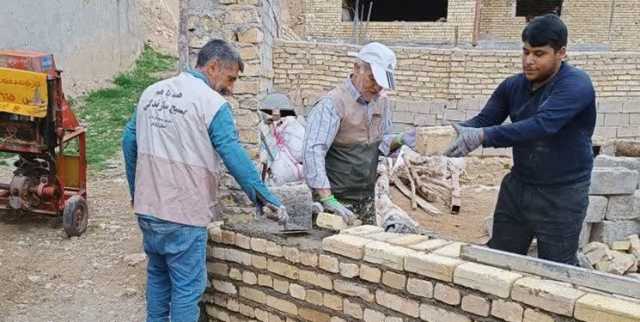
[[365, 274], [323, 20], [436, 86], [605, 23]]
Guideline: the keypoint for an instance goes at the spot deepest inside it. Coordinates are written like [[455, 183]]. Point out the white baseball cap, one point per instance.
[[382, 61]]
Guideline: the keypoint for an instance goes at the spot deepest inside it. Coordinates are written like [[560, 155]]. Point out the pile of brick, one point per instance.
[[614, 201], [365, 274], [621, 258]]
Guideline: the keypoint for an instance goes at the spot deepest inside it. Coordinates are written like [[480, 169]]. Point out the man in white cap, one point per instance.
[[347, 130]]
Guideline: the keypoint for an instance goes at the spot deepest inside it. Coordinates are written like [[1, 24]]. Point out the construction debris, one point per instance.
[[432, 179], [621, 259]]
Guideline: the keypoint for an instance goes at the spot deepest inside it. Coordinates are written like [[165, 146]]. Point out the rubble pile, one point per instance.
[[621, 258]]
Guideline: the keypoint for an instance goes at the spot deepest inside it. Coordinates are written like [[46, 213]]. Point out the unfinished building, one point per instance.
[[449, 61]]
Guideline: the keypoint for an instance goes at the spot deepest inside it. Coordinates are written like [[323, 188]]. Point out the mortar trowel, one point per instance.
[[288, 226]]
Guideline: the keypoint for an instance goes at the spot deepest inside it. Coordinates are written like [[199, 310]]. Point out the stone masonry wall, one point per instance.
[[437, 86], [323, 20], [250, 26], [363, 274]]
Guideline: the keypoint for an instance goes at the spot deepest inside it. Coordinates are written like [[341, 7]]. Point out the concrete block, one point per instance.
[[282, 305], [420, 287], [407, 240], [506, 310], [596, 308], [451, 250], [235, 274], [447, 294], [237, 256], [281, 286], [485, 278], [546, 294], [613, 181], [585, 234], [432, 313], [597, 209], [253, 294], [309, 259], [317, 279], [265, 280], [353, 289], [387, 255], [218, 268], [430, 244], [535, 316], [345, 245], [352, 309], [394, 280], [224, 287], [291, 254], [297, 291], [329, 263], [314, 297], [364, 230], [330, 221], [370, 273], [274, 249], [259, 262], [243, 241], [313, 315], [398, 303], [624, 207], [621, 263], [349, 270], [373, 316], [432, 265], [610, 231], [252, 35], [259, 245], [476, 305], [604, 160], [333, 301], [249, 277], [434, 140], [622, 245], [282, 269]]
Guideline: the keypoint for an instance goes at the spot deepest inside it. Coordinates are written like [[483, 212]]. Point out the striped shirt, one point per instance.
[[322, 126]]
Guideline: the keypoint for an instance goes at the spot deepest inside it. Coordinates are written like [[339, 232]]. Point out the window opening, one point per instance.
[[394, 10]]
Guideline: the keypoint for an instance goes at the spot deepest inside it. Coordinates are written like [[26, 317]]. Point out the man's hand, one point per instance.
[[275, 213], [331, 204], [468, 139]]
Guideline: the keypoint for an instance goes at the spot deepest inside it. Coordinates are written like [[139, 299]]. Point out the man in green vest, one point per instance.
[[346, 132]]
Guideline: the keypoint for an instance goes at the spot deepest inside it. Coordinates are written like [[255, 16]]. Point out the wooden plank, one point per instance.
[[427, 207], [561, 272]]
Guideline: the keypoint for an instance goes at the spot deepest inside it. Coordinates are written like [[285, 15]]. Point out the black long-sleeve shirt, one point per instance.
[[551, 127]]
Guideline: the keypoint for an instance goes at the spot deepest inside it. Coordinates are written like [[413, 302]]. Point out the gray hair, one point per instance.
[[220, 50]]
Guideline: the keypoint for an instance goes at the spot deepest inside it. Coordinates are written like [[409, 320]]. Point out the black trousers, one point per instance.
[[552, 214]]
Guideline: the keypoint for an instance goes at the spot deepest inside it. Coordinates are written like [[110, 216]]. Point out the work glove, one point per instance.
[[408, 138], [331, 204], [276, 213], [469, 139]]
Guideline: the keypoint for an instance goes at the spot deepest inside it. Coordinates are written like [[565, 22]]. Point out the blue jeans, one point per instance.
[[552, 214], [176, 272]]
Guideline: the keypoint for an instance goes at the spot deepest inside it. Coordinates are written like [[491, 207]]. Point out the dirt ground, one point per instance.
[[45, 276], [480, 185]]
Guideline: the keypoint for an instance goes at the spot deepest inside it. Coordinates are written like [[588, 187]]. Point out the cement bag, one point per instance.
[[285, 170], [289, 134]]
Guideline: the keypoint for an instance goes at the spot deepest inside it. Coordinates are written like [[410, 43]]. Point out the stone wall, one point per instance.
[[323, 20], [365, 274], [91, 40], [251, 27], [437, 86]]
